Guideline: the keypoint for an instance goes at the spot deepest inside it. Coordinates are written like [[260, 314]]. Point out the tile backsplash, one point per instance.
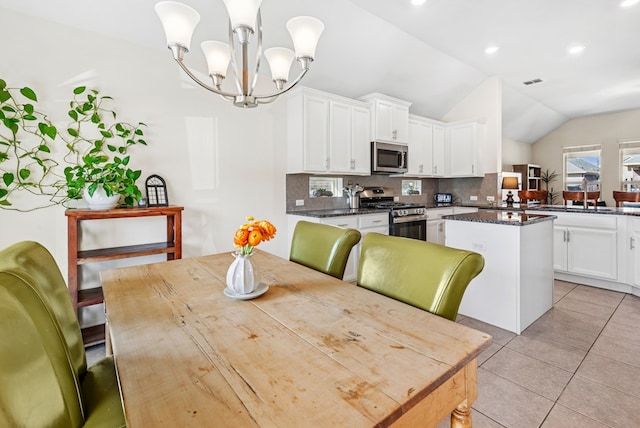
[[461, 188]]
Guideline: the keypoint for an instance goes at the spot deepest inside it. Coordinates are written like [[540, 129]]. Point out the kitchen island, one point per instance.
[[516, 286]]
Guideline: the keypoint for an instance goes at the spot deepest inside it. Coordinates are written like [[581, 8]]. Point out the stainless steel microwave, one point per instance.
[[388, 158]]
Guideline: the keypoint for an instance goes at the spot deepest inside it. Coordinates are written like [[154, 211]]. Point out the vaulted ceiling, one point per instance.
[[432, 55]]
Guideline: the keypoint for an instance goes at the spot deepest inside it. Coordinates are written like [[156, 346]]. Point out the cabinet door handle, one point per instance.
[[327, 163], [632, 243], [568, 236], [440, 229], [564, 236], [435, 169], [394, 134], [376, 221]]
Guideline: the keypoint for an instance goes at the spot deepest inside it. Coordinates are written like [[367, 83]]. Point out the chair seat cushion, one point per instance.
[[101, 397]]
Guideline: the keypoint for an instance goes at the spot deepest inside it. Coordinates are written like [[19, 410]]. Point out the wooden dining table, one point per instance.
[[312, 351]]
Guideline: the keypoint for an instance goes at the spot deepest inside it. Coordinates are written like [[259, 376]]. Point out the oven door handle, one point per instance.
[[410, 219]]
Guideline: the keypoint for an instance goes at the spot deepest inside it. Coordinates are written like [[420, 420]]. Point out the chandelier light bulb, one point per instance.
[[280, 60], [242, 13], [305, 32], [178, 21], [218, 56]]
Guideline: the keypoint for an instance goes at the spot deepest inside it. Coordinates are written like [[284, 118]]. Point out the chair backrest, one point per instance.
[[38, 387], [323, 247], [34, 264], [579, 196], [621, 197], [533, 195], [423, 274]]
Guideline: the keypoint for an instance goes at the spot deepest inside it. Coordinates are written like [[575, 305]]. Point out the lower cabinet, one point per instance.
[[634, 251], [435, 224], [586, 244], [366, 223]]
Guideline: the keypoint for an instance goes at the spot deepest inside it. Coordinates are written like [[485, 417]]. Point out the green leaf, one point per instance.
[[3, 193], [4, 95], [28, 108], [28, 93], [79, 90], [122, 150], [95, 118], [24, 173], [44, 148], [106, 134], [51, 132], [5, 203], [3, 84], [139, 132], [9, 109], [8, 178], [73, 114], [125, 161], [3, 157], [72, 132], [111, 148]]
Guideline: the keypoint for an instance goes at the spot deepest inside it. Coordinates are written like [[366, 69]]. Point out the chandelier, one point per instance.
[[179, 21]]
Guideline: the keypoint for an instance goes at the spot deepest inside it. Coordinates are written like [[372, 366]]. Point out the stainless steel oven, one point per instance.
[[412, 225], [408, 220]]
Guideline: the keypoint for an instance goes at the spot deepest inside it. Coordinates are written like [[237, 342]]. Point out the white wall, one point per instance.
[[606, 129], [514, 153], [247, 172], [484, 104]]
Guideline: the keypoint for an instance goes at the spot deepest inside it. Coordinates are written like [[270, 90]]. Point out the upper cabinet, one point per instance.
[[390, 118], [327, 134], [464, 150], [420, 160]]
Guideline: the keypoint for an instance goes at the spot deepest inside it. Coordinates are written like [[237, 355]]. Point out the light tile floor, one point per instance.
[[577, 366]]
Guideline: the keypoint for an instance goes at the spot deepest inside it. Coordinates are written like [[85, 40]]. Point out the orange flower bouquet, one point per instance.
[[251, 234]]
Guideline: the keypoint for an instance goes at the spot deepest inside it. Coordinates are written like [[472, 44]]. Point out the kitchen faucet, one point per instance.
[[584, 192]]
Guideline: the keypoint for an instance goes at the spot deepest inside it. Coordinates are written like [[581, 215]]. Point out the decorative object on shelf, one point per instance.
[[179, 21], [510, 183], [242, 277], [547, 177], [157, 195], [97, 150], [100, 200]]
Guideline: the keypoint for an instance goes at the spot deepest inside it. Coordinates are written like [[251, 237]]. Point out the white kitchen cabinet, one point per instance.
[[633, 246], [420, 161], [438, 151], [327, 134], [390, 118], [435, 224], [586, 244], [464, 150], [365, 223]]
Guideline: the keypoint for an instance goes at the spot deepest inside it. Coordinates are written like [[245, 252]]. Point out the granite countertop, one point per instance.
[[337, 212], [512, 218]]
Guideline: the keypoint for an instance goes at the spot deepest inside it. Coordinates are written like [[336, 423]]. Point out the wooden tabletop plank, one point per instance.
[[312, 349]]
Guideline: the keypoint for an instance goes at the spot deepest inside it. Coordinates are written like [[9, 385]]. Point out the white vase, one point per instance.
[[100, 200], [242, 276]]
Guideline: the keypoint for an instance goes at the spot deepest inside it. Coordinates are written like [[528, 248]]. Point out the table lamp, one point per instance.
[[510, 183]]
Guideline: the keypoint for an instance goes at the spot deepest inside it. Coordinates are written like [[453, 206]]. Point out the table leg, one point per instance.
[[461, 417]]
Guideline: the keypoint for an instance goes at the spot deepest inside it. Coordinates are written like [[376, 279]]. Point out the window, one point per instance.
[[630, 166], [325, 186], [411, 187], [582, 163]]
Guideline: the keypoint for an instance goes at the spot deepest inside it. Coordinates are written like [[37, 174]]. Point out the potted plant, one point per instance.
[[547, 177], [97, 150], [100, 150]]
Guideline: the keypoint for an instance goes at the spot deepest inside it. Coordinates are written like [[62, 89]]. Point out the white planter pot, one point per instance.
[[100, 200]]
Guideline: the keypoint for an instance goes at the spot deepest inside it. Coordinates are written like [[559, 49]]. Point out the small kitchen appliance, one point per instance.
[[443, 198], [388, 158]]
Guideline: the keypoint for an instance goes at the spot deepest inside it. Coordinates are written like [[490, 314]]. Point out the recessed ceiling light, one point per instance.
[[418, 2], [491, 49], [628, 3], [576, 49]]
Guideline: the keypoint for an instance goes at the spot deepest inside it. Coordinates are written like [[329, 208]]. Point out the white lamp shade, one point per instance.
[[305, 32], [242, 12], [178, 21], [218, 56], [279, 60]]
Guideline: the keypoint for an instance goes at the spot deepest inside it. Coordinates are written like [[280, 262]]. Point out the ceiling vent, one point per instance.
[[532, 82]]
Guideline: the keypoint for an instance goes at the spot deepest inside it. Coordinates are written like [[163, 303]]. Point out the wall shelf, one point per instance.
[[84, 297]]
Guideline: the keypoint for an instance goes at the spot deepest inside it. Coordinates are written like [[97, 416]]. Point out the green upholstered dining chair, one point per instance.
[[323, 247], [423, 274], [31, 280]]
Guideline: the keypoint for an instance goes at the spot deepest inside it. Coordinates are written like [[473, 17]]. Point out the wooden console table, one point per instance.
[[172, 247]]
